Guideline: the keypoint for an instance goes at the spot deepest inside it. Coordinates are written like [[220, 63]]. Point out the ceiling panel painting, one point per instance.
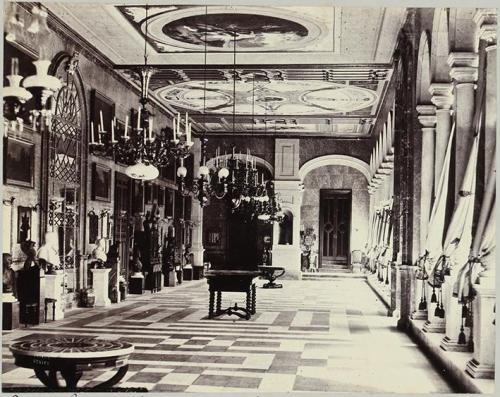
[[316, 101], [248, 28]]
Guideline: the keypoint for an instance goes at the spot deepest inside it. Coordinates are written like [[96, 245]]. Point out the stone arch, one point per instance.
[[423, 70], [440, 47], [335, 159], [259, 161]]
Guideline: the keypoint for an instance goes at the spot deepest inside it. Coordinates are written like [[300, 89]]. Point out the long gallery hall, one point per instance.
[[248, 198]]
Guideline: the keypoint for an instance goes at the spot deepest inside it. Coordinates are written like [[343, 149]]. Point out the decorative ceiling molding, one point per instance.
[[183, 28]]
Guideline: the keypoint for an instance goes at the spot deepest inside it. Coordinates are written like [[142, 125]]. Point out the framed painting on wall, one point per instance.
[[19, 157], [101, 182], [101, 104]]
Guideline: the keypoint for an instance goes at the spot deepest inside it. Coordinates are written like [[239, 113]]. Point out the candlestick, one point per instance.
[[139, 119], [150, 128], [179, 124], [125, 135], [99, 134], [102, 121], [14, 66], [113, 131], [187, 122], [173, 129], [92, 134]]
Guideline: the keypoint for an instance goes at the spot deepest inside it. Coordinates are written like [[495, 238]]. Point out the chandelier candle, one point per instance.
[[125, 135]]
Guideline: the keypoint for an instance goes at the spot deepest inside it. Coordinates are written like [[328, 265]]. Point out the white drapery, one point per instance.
[[435, 230]]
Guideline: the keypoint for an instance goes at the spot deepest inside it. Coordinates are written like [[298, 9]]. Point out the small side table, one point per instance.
[[49, 301], [71, 356]]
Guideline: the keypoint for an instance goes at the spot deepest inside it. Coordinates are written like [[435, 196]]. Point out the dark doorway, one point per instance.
[[334, 227]]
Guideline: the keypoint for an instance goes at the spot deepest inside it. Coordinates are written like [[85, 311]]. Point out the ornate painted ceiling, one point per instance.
[[298, 70]]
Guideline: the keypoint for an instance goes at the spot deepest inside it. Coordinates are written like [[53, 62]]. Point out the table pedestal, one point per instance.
[[101, 287], [136, 285], [10, 312], [54, 289]]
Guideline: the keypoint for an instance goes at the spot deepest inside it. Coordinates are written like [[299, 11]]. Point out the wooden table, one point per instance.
[[271, 273], [231, 281], [71, 356]]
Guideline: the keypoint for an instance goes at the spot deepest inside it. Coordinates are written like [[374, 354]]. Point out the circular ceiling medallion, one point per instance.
[[256, 29], [271, 98]]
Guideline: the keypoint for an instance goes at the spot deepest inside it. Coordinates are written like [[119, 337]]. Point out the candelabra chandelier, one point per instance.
[[140, 147], [236, 179], [41, 86]]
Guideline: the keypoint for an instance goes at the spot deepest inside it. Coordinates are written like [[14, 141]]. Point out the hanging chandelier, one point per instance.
[[41, 87], [140, 147]]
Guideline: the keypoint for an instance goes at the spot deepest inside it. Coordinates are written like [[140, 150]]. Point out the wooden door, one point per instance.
[[335, 226], [122, 213]]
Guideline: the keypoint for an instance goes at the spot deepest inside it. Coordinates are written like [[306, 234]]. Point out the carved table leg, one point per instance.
[[50, 381], [254, 298], [71, 376], [249, 303], [211, 304], [219, 301], [114, 379]]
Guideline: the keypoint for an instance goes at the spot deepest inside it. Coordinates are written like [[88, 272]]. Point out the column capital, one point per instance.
[[486, 20], [464, 74], [428, 122], [463, 66], [463, 59], [442, 95], [426, 110]]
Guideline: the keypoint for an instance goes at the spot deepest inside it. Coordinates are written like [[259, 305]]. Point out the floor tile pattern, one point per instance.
[[309, 336]]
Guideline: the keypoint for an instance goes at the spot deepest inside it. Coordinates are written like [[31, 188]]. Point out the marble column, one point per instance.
[[197, 213], [433, 324], [288, 256], [453, 315], [464, 74], [482, 364], [486, 20], [442, 98], [427, 118]]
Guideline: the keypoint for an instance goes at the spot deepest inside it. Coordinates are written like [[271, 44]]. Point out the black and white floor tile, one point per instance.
[[309, 336]]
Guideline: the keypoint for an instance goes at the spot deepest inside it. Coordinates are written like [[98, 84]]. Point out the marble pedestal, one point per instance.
[[288, 257], [100, 279], [10, 312], [136, 285], [54, 289], [482, 364]]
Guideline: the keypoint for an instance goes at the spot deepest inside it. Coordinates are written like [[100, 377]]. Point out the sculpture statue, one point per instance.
[[48, 254], [99, 253], [28, 248], [136, 262], [9, 275]]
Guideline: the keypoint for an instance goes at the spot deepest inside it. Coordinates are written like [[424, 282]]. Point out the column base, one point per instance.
[[478, 370], [438, 328], [452, 346], [419, 315]]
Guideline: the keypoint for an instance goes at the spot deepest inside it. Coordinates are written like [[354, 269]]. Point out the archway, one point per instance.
[[335, 206]]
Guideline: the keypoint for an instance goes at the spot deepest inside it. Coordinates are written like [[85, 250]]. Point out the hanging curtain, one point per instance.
[[484, 243], [435, 229], [458, 239]]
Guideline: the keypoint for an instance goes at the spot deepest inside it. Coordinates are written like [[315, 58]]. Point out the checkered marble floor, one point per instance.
[[309, 336]]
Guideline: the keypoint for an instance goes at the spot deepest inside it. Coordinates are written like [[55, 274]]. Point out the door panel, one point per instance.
[[335, 219]]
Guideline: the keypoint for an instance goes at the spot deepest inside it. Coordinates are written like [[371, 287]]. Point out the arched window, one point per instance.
[[64, 155]]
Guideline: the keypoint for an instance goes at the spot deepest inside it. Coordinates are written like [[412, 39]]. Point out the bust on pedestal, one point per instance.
[[48, 257], [137, 278], [10, 305], [100, 274]]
